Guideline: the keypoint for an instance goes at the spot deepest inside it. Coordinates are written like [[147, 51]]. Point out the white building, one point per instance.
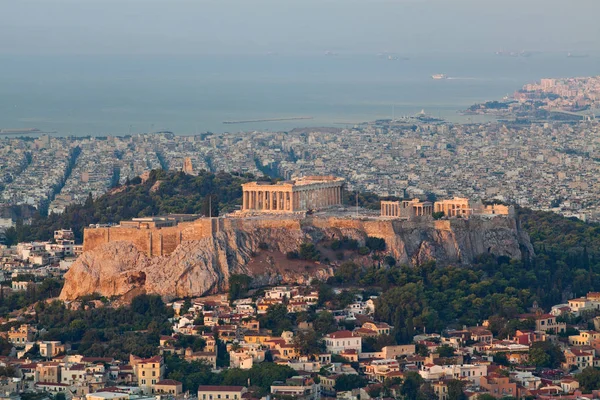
[[470, 372], [340, 341]]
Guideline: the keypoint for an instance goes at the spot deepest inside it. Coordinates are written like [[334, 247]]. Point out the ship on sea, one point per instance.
[[439, 76], [575, 55]]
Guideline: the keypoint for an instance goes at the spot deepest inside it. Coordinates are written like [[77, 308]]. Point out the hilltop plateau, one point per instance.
[[272, 250]]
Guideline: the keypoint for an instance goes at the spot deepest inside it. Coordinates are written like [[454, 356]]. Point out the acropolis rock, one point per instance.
[[196, 258]]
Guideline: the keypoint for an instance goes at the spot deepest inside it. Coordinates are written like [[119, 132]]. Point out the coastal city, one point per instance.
[[311, 200], [565, 98]]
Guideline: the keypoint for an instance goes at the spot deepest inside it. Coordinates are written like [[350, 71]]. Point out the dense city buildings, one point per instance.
[[548, 166]]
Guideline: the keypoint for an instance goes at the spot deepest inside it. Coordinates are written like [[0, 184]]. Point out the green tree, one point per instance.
[[324, 323], [308, 343], [546, 355], [445, 351], [411, 384], [589, 379], [438, 215], [456, 390], [277, 319], [348, 382], [238, 286]]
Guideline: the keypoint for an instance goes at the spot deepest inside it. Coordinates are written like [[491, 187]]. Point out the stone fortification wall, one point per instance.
[[154, 241], [404, 238]]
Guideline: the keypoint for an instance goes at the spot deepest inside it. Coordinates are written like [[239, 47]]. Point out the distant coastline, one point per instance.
[[249, 121]]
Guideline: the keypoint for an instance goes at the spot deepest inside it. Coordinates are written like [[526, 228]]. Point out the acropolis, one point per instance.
[[302, 194]]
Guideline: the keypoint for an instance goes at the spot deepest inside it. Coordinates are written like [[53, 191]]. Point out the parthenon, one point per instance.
[[302, 194]]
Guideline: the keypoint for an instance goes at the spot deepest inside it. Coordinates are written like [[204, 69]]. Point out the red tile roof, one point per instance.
[[341, 335], [168, 382]]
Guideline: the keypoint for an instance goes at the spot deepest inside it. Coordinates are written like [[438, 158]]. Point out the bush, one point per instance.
[[263, 246], [389, 260], [363, 251], [438, 215], [292, 255], [375, 243], [308, 251]]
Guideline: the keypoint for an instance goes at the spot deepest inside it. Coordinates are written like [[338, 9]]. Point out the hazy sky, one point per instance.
[[292, 26]]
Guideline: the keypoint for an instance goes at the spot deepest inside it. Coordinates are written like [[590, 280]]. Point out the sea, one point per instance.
[[127, 94]]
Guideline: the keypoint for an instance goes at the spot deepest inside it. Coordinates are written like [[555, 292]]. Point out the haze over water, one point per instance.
[[115, 67]]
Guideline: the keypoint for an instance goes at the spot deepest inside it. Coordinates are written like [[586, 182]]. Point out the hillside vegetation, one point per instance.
[[162, 193]]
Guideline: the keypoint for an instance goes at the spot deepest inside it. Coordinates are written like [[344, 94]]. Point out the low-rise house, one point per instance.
[[545, 323], [327, 383], [253, 337], [498, 386], [339, 341], [440, 388], [526, 379], [48, 372], [380, 369], [21, 286], [380, 327], [209, 357], [209, 392], [578, 358], [49, 349], [481, 334], [53, 387], [107, 396], [303, 388], [245, 357], [569, 385], [470, 372], [585, 338], [148, 371], [21, 335], [580, 305], [168, 386]]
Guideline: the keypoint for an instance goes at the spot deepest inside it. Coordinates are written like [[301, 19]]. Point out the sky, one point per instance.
[[204, 27]]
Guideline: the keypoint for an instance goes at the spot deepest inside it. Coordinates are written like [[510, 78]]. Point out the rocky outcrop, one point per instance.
[[257, 249]]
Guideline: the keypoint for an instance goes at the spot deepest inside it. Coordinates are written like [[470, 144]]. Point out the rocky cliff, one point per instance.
[[257, 247]]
